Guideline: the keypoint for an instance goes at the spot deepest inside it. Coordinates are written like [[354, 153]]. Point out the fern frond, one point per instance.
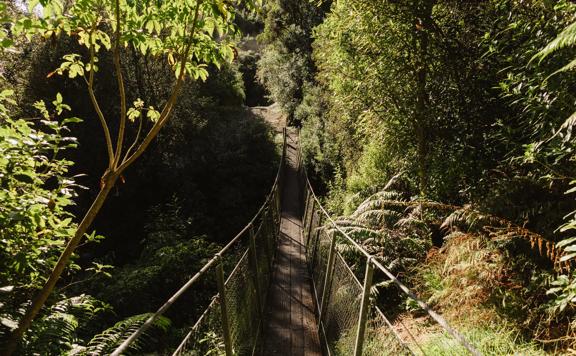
[[381, 195], [412, 224], [347, 222], [361, 233], [378, 204], [571, 65], [52, 334], [566, 38], [567, 126], [378, 217], [55, 332], [400, 263], [469, 219], [110, 339]]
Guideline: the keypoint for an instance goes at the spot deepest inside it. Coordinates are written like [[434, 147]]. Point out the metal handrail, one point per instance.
[[371, 261], [217, 258]]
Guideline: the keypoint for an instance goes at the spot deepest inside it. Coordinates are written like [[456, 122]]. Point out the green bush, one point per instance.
[[36, 194]]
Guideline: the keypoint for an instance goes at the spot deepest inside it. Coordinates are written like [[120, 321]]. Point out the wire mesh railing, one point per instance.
[[232, 322], [349, 321]]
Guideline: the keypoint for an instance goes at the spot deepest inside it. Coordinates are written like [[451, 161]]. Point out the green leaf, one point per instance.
[[133, 114], [25, 177], [567, 257], [566, 242], [152, 114]]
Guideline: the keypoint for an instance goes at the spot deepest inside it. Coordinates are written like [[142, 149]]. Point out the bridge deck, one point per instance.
[[290, 324]]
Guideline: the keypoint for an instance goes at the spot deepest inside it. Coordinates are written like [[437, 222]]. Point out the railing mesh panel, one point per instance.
[[264, 257], [318, 258], [380, 338], [343, 309], [206, 336], [242, 306], [248, 270]]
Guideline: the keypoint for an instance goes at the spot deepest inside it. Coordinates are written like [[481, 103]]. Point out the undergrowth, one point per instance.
[[489, 278]]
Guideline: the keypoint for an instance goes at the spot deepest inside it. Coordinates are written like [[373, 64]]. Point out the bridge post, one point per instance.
[[223, 309], [327, 279], [364, 307], [277, 201]]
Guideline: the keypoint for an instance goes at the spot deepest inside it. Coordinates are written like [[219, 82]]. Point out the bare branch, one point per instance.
[[135, 141], [107, 136], [121, 89]]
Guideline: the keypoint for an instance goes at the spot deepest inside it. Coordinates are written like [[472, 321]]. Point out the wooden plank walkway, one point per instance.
[[290, 324]]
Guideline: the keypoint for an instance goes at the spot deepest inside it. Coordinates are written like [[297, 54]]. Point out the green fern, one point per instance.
[[56, 331], [107, 341], [413, 223], [566, 38], [378, 217]]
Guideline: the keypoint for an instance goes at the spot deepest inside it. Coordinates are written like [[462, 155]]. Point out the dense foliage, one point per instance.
[[466, 103], [440, 131], [168, 211], [286, 65]]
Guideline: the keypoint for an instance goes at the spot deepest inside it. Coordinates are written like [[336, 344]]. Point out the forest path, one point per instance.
[[290, 326], [272, 114]]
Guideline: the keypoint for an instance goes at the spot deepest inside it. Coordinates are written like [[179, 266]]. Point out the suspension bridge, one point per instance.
[[284, 288]]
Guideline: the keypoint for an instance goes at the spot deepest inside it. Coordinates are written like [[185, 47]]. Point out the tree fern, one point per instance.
[[413, 223], [376, 200], [469, 219]]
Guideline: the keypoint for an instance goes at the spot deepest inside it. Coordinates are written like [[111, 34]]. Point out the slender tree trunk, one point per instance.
[[108, 182], [117, 165], [423, 14]]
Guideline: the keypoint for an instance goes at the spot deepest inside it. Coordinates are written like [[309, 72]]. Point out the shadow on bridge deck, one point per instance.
[[290, 326]]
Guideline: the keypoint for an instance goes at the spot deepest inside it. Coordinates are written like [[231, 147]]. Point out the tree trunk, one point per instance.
[[423, 15], [108, 181]]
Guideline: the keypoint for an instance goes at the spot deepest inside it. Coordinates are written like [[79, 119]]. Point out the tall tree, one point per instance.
[[190, 35]]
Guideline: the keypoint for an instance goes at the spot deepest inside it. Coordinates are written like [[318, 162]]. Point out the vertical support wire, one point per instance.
[[364, 307], [223, 308], [277, 205], [269, 236]]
